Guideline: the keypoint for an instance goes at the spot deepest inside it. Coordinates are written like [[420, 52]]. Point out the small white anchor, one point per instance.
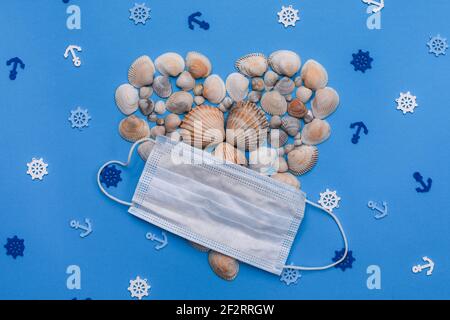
[[419, 268], [163, 242], [379, 5], [382, 212], [71, 48], [87, 229]]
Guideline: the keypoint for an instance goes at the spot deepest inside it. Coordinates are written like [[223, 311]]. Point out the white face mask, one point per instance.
[[225, 207]]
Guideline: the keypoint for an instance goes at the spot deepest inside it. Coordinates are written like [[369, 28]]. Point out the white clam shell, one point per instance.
[[264, 160], [198, 65], [287, 178], [285, 86], [162, 86], [127, 98], [252, 65], [133, 128], [302, 159], [180, 102], [141, 72], [214, 89], [316, 132], [237, 86], [172, 122], [304, 94], [285, 62], [274, 103], [325, 102], [270, 78], [160, 107], [185, 81], [314, 75], [291, 125], [170, 64], [145, 92]]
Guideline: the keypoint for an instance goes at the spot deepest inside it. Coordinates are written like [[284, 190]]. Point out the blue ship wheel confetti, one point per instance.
[[437, 45], [362, 61], [140, 13], [14, 247], [79, 118], [110, 176], [348, 261]]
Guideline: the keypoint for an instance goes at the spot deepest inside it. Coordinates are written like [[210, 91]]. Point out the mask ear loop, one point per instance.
[[122, 164], [336, 220]]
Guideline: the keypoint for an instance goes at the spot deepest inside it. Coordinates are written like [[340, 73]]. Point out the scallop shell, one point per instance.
[[270, 78], [314, 75], [297, 108], [198, 65], [246, 126], [170, 64], [252, 65], [277, 138], [285, 86], [145, 149], [228, 152], [264, 160], [224, 266], [274, 103], [285, 62], [287, 178], [133, 128], [325, 102], [180, 102], [302, 159], [127, 98], [237, 86], [214, 89], [291, 125], [141, 72], [185, 81], [203, 126], [304, 94], [172, 122], [162, 86], [315, 132]]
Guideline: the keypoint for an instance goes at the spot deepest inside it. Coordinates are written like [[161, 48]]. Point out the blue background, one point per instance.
[[33, 123]]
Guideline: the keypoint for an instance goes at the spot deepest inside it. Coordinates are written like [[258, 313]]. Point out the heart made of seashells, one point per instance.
[[246, 119]]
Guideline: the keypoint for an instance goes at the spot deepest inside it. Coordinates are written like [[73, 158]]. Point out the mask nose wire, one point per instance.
[[123, 164], [344, 237]]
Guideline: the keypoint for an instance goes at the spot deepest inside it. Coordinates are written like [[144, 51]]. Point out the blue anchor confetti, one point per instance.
[[14, 62], [348, 261], [362, 61], [162, 242], [425, 187], [359, 125], [14, 247], [193, 19], [382, 211], [110, 176]]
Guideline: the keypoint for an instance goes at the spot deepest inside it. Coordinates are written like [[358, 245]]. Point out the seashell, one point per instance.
[[254, 96], [291, 125], [246, 126], [298, 81], [146, 106], [203, 126], [314, 75], [157, 131], [172, 122], [224, 266], [302, 159], [144, 149], [325, 102], [275, 122], [285, 86], [285, 62], [228, 152], [252, 65], [133, 128], [315, 132], [127, 98], [222, 108], [180, 102], [141, 72], [227, 102], [277, 138], [298, 142], [270, 78], [309, 117], [145, 92], [214, 89], [273, 103], [162, 86], [170, 64], [280, 153], [160, 121], [160, 107], [282, 163], [304, 94], [288, 148], [152, 117], [199, 247], [237, 86], [198, 65], [288, 97], [297, 108], [185, 81], [264, 160], [198, 100], [258, 84], [198, 89], [287, 178]]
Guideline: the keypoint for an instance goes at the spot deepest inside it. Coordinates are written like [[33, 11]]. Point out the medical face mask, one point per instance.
[[220, 205]]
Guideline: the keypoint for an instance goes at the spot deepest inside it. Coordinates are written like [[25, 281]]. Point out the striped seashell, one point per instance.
[[316, 132], [297, 108], [224, 266], [133, 129], [162, 86], [170, 64], [228, 152], [291, 125], [141, 72], [273, 103], [270, 79], [198, 65], [285, 86], [127, 98], [252, 65], [285, 62], [277, 138], [302, 159], [325, 102], [214, 89], [237, 86]]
